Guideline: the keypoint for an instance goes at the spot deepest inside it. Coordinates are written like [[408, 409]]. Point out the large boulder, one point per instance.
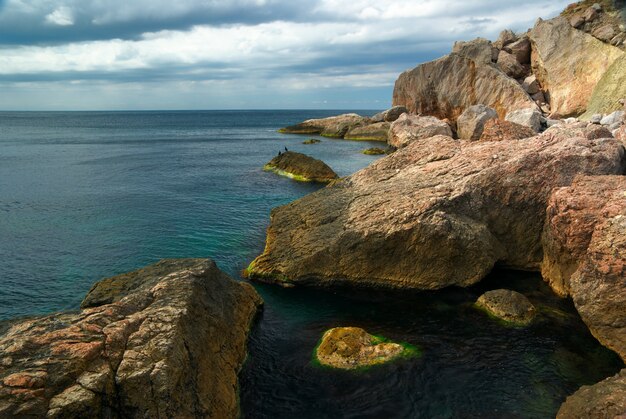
[[378, 131], [389, 115], [607, 399], [164, 341], [409, 128], [509, 65], [585, 253], [520, 49], [470, 125], [334, 126], [480, 50], [301, 167], [507, 305], [444, 88], [436, 213], [530, 118], [561, 54], [609, 90]]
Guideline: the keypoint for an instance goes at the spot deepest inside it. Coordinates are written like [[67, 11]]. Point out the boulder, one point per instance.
[[609, 90], [436, 213], [531, 85], [620, 134], [498, 130], [334, 126], [509, 65], [605, 33], [470, 125], [577, 20], [613, 118], [480, 50], [301, 167], [520, 49], [374, 151], [409, 128], [560, 55], [378, 131], [311, 141], [594, 132], [607, 399], [444, 88], [585, 253], [506, 37], [507, 305], [164, 341], [389, 115], [352, 347], [529, 117]]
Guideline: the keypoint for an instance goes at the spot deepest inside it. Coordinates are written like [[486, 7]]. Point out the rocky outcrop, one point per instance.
[[334, 126], [609, 90], [560, 55], [409, 128], [444, 88], [470, 125], [607, 399], [301, 167], [507, 305], [438, 212], [164, 341], [389, 115], [585, 253], [370, 132], [352, 347], [497, 130]]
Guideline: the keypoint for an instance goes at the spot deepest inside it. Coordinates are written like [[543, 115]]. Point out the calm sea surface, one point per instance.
[[89, 195]]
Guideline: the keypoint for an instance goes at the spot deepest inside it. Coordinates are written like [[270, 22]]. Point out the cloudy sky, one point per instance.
[[232, 54]]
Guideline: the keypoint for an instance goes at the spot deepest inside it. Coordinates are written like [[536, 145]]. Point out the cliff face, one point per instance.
[[164, 341]]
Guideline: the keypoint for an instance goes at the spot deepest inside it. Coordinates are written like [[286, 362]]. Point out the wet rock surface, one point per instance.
[[164, 341]]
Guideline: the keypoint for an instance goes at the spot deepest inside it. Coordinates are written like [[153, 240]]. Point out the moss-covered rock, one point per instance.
[[312, 141], [334, 126], [352, 347], [375, 151], [301, 167], [507, 305]]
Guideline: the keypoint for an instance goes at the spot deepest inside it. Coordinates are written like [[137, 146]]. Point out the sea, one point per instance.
[[88, 195]]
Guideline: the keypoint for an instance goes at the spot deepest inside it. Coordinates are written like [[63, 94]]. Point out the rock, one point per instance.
[[334, 126], [620, 134], [444, 88], [509, 65], [596, 118], [301, 167], [164, 341], [605, 33], [507, 305], [607, 399], [590, 14], [585, 253], [594, 132], [560, 54], [389, 115], [506, 37], [531, 85], [612, 118], [498, 130], [371, 132], [312, 141], [471, 123], [352, 347], [530, 118], [539, 97], [609, 90], [520, 49], [577, 20], [409, 128], [479, 50], [436, 213], [375, 151]]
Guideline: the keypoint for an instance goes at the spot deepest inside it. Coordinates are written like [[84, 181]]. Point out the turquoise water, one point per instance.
[[89, 195]]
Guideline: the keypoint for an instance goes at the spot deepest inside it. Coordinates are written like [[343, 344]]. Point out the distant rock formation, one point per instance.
[[334, 126], [301, 167], [164, 341]]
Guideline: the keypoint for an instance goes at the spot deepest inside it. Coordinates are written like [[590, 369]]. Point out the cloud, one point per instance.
[[62, 16]]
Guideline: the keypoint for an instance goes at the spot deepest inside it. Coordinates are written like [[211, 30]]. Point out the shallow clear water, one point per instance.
[[88, 195]]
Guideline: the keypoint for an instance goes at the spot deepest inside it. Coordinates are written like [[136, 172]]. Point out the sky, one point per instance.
[[232, 54]]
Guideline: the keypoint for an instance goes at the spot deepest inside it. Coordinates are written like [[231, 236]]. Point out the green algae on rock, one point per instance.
[[352, 348], [507, 305], [301, 167], [312, 141], [370, 132], [374, 151]]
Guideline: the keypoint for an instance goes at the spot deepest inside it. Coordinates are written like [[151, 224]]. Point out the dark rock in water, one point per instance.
[[370, 132], [389, 115], [497, 130], [334, 126], [301, 167], [352, 347], [607, 399], [164, 341], [436, 213], [312, 141], [507, 305], [375, 151]]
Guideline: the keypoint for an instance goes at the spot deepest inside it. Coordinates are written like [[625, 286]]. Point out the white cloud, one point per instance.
[[62, 16]]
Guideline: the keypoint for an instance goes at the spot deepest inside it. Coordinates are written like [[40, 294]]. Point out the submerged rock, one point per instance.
[[334, 126], [436, 213], [165, 341], [312, 141], [371, 132], [409, 128], [352, 347], [507, 305], [301, 167]]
